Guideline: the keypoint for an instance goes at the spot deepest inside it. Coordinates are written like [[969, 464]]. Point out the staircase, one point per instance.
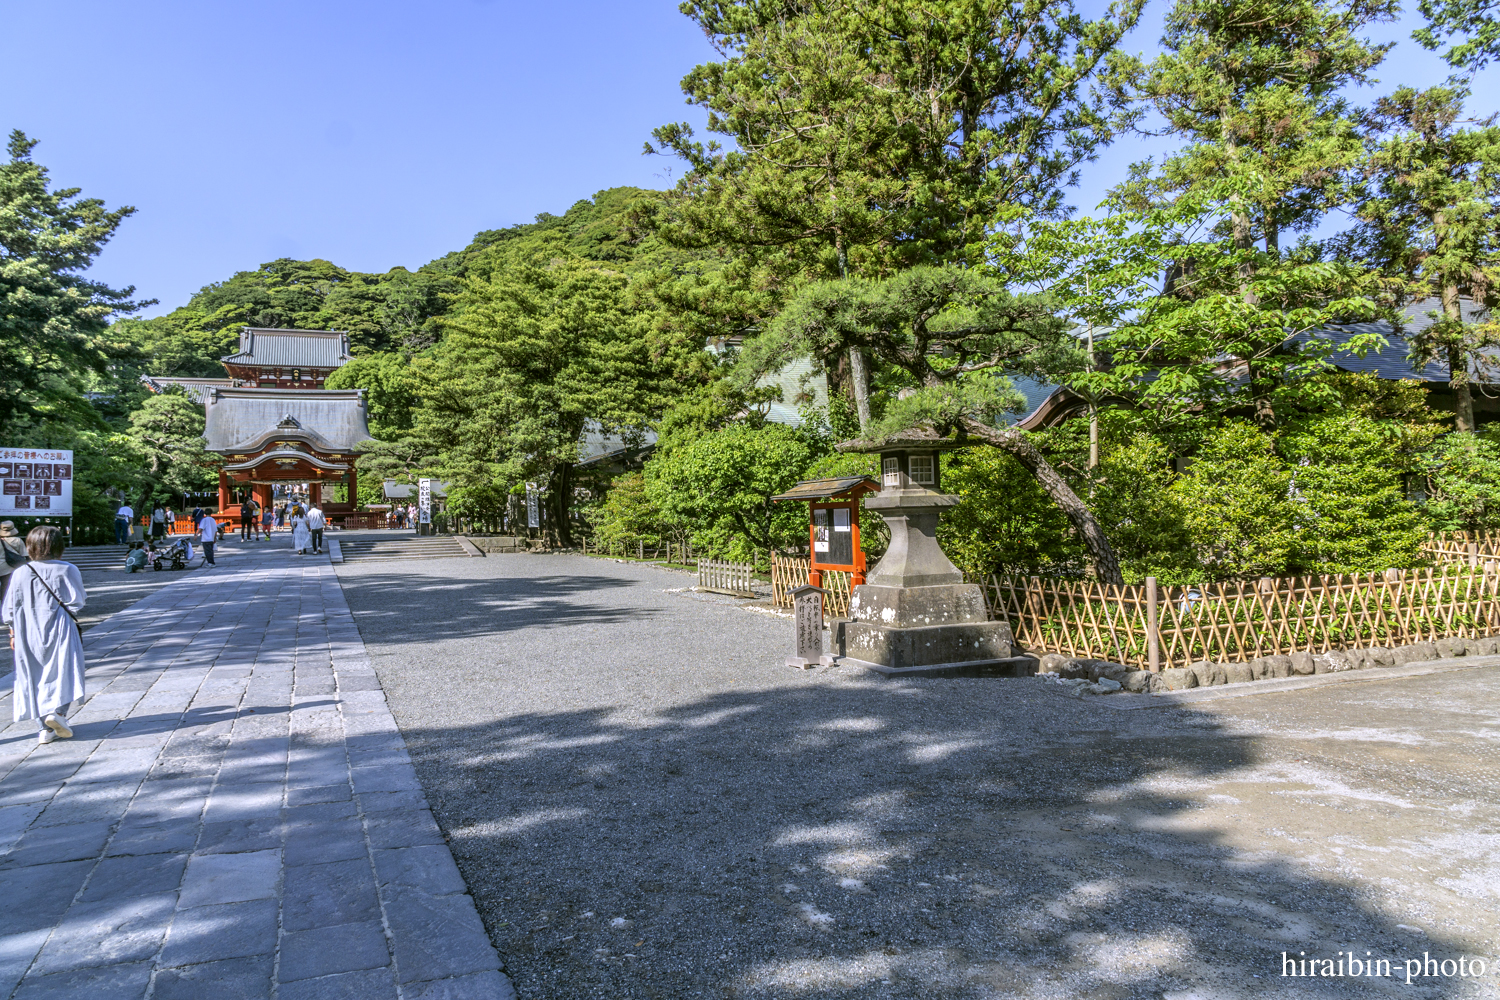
[[96, 557], [405, 547]]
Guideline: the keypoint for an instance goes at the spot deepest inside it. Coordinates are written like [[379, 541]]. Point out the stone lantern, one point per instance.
[[914, 614]]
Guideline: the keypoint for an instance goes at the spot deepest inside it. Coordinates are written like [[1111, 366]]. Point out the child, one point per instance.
[[135, 559]]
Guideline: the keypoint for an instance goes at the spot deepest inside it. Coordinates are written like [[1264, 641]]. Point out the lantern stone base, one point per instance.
[[974, 649]]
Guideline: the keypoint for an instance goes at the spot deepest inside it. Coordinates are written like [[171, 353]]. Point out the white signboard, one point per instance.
[[533, 509], [424, 501], [36, 482]]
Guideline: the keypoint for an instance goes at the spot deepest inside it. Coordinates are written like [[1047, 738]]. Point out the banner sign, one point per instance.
[[36, 482], [424, 501], [533, 509]]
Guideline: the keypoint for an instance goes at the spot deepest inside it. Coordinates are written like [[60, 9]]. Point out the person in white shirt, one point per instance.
[[208, 533], [123, 517], [301, 536], [315, 524]]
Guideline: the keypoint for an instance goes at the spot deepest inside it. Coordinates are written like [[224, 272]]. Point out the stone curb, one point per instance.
[[1127, 701]]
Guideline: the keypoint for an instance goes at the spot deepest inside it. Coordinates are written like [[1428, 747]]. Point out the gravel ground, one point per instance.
[[645, 803]]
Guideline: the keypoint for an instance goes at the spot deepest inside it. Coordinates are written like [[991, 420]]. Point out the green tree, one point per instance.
[[536, 352], [167, 434], [722, 483], [949, 332], [1255, 90], [390, 390], [1462, 483], [53, 320], [1475, 23], [873, 135], [1431, 214], [1238, 505], [628, 514]]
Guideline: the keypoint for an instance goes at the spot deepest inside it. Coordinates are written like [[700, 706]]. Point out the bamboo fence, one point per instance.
[[1469, 547], [790, 572], [1157, 627], [726, 577], [1243, 620]]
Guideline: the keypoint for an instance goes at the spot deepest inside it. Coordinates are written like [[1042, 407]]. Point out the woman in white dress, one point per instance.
[[301, 536], [44, 635]]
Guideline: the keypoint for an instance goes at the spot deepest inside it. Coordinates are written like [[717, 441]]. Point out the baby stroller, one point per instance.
[[174, 556]]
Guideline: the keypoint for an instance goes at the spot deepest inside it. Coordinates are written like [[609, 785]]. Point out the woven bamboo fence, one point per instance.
[[1243, 620], [1468, 547], [790, 572]]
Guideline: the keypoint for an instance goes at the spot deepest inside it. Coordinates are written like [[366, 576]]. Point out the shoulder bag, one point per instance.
[[38, 577]]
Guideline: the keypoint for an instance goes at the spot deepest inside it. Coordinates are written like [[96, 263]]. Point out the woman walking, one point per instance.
[[47, 645], [301, 534]]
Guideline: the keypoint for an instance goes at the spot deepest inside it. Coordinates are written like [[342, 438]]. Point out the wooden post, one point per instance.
[[640, 545], [1153, 638]]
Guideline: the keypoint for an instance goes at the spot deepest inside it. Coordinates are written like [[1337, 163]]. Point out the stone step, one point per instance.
[[355, 549], [96, 557]]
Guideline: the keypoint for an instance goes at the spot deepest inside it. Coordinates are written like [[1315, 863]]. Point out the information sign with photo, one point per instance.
[[36, 482]]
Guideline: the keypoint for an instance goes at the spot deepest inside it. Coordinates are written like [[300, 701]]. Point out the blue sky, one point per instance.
[[371, 134]]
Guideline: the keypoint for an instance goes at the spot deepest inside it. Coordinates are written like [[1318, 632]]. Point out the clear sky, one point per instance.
[[375, 133]]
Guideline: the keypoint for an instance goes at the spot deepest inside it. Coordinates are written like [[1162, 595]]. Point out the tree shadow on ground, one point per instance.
[[925, 840], [459, 608]]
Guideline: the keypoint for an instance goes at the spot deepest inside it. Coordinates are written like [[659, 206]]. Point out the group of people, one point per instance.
[[310, 520], [40, 598], [404, 517]]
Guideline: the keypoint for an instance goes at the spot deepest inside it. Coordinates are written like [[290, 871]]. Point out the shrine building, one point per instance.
[[271, 436]]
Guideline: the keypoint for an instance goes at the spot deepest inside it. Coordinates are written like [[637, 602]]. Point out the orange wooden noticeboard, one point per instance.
[[833, 524]]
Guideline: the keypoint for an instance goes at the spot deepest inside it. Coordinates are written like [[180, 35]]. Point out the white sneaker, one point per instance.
[[46, 736], [58, 724]]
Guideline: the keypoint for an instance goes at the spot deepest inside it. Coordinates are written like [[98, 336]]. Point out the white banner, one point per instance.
[[533, 508], [36, 482], [424, 501]]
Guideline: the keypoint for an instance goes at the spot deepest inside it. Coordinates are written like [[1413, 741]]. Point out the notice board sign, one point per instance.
[[424, 501], [36, 482]]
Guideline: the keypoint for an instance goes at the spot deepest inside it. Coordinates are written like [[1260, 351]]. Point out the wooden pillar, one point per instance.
[[353, 488], [1153, 635], [223, 491], [315, 493], [263, 496]]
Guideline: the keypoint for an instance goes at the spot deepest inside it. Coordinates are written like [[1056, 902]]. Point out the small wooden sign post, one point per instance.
[[807, 613]]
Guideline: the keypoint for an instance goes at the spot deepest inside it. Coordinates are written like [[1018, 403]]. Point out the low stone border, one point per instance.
[[1091, 677], [1241, 690]]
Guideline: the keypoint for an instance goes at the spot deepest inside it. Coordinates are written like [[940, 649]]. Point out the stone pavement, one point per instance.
[[236, 815]]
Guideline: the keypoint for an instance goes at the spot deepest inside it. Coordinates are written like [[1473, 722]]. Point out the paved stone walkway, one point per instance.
[[236, 815]]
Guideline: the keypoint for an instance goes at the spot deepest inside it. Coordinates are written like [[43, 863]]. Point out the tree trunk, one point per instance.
[[1014, 441], [1458, 366], [561, 491], [861, 380]]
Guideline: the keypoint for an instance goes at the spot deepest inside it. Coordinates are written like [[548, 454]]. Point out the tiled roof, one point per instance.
[[291, 348], [1390, 362], [195, 388], [332, 420]]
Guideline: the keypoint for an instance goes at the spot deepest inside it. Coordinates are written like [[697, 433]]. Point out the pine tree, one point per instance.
[[1432, 217]]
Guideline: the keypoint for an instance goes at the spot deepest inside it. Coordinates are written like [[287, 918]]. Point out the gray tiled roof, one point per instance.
[[1390, 361], [330, 419], [291, 348], [195, 388]]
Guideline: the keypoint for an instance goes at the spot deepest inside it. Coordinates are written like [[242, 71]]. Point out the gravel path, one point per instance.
[[645, 803]]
